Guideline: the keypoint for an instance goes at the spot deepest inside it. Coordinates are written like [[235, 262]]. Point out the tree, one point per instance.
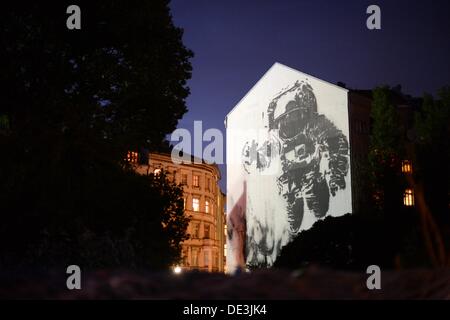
[[387, 182], [349, 242], [121, 79], [432, 176], [433, 152], [385, 150], [75, 102]]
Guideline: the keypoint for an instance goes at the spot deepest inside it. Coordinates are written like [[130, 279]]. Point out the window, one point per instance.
[[184, 203], [208, 184], [184, 255], [207, 206], [196, 231], [195, 181], [408, 198], [184, 178], [224, 250], [207, 233], [206, 258], [406, 166], [132, 157], [216, 260], [196, 204], [194, 257]]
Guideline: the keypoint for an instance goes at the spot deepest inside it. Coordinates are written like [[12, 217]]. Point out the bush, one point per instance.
[[351, 242]]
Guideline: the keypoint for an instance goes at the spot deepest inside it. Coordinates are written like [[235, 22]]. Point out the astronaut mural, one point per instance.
[[294, 160]]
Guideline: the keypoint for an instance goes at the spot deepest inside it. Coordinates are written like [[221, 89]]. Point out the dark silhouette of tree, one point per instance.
[[385, 151], [432, 125], [387, 182], [352, 242], [73, 103], [432, 175]]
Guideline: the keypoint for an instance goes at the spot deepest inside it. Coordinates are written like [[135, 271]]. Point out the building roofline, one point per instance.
[[202, 165], [265, 75]]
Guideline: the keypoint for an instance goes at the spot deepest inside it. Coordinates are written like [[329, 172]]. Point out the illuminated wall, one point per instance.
[[288, 163]]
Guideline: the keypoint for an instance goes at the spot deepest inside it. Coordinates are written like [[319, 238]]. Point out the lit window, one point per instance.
[[224, 250], [184, 203], [196, 204], [184, 178], [406, 166], [157, 172], [132, 157], [194, 257], [195, 179], [408, 198], [207, 231], [207, 206]]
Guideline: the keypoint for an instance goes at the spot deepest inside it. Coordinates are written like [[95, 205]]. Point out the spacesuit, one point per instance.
[[300, 154], [313, 153]]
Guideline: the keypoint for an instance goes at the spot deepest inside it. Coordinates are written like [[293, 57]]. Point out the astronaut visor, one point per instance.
[[290, 124]]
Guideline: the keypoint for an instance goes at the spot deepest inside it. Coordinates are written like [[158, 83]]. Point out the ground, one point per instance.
[[311, 283]]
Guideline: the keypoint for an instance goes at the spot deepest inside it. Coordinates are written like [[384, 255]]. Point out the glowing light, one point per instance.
[[406, 166], [408, 198], [177, 270], [132, 157]]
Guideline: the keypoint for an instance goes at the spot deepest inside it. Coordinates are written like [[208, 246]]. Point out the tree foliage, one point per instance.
[[396, 236], [353, 242], [385, 151], [73, 103], [432, 125]]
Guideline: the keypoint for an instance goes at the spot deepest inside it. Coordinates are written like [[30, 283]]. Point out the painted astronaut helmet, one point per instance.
[[292, 110]]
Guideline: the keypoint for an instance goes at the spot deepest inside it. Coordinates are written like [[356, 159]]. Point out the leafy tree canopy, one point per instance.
[[73, 103]]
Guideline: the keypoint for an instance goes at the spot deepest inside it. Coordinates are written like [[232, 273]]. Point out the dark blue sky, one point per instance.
[[235, 42]]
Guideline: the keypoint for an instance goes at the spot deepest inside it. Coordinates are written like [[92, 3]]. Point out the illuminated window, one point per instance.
[[157, 172], [207, 206], [196, 204], [207, 233], [184, 203], [195, 179], [132, 157], [406, 166], [408, 198], [194, 257], [224, 250], [184, 178]]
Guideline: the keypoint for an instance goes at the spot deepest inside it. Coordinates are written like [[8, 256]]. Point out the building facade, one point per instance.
[[297, 151], [204, 203], [288, 163]]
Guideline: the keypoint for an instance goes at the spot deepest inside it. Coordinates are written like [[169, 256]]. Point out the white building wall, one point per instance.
[[306, 174]]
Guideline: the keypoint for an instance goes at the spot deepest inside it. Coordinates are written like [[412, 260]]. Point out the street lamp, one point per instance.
[[177, 270]]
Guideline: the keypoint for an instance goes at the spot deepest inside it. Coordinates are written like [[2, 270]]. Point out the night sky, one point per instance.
[[236, 42]]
